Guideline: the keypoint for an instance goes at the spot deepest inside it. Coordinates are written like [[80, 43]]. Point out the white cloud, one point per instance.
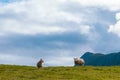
[[85, 29], [17, 60], [60, 61], [31, 17], [65, 57], [40, 17], [116, 27], [29, 29], [117, 16], [34, 17], [25, 17], [112, 5], [88, 31]]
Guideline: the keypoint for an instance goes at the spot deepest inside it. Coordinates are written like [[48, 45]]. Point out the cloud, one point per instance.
[[39, 17], [32, 17], [110, 5], [8, 1], [64, 56], [29, 18], [115, 29], [54, 30], [52, 48], [60, 61], [51, 57], [117, 16], [16, 60]]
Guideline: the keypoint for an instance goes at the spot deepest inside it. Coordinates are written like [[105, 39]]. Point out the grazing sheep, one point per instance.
[[39, 64], [78, 61]]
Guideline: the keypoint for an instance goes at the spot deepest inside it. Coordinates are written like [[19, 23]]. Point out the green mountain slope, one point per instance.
[[98, 59], [12, 72]]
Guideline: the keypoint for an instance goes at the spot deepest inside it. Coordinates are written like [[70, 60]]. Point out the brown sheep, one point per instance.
[[39, 64]]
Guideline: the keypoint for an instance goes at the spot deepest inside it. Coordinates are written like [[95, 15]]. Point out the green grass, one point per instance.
[[13, 72]]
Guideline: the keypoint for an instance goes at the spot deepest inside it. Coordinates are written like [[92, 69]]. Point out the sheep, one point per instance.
[[39, 64], [79, 61]]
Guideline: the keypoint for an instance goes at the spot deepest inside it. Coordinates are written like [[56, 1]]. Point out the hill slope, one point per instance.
[[8, 72], [98, 59]]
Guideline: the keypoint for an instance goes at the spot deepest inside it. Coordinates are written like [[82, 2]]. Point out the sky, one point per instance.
[[57, 30]]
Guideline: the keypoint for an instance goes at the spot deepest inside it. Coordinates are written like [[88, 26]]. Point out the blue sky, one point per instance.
[[57, 30]]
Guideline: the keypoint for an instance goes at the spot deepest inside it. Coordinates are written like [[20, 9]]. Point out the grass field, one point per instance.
[[13, 72]]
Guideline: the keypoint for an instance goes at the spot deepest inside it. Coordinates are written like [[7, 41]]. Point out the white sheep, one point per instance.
[[79, 61]]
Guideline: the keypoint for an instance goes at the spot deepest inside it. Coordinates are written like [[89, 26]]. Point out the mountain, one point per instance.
[[98, 59]]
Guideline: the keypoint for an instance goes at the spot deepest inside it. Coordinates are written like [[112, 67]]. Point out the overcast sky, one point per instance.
[[57, 30]]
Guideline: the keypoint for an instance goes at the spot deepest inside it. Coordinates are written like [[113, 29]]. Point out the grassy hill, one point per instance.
[[13, 72]]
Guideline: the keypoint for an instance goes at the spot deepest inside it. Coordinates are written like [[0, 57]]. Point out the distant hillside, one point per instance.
[[98, 59]]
